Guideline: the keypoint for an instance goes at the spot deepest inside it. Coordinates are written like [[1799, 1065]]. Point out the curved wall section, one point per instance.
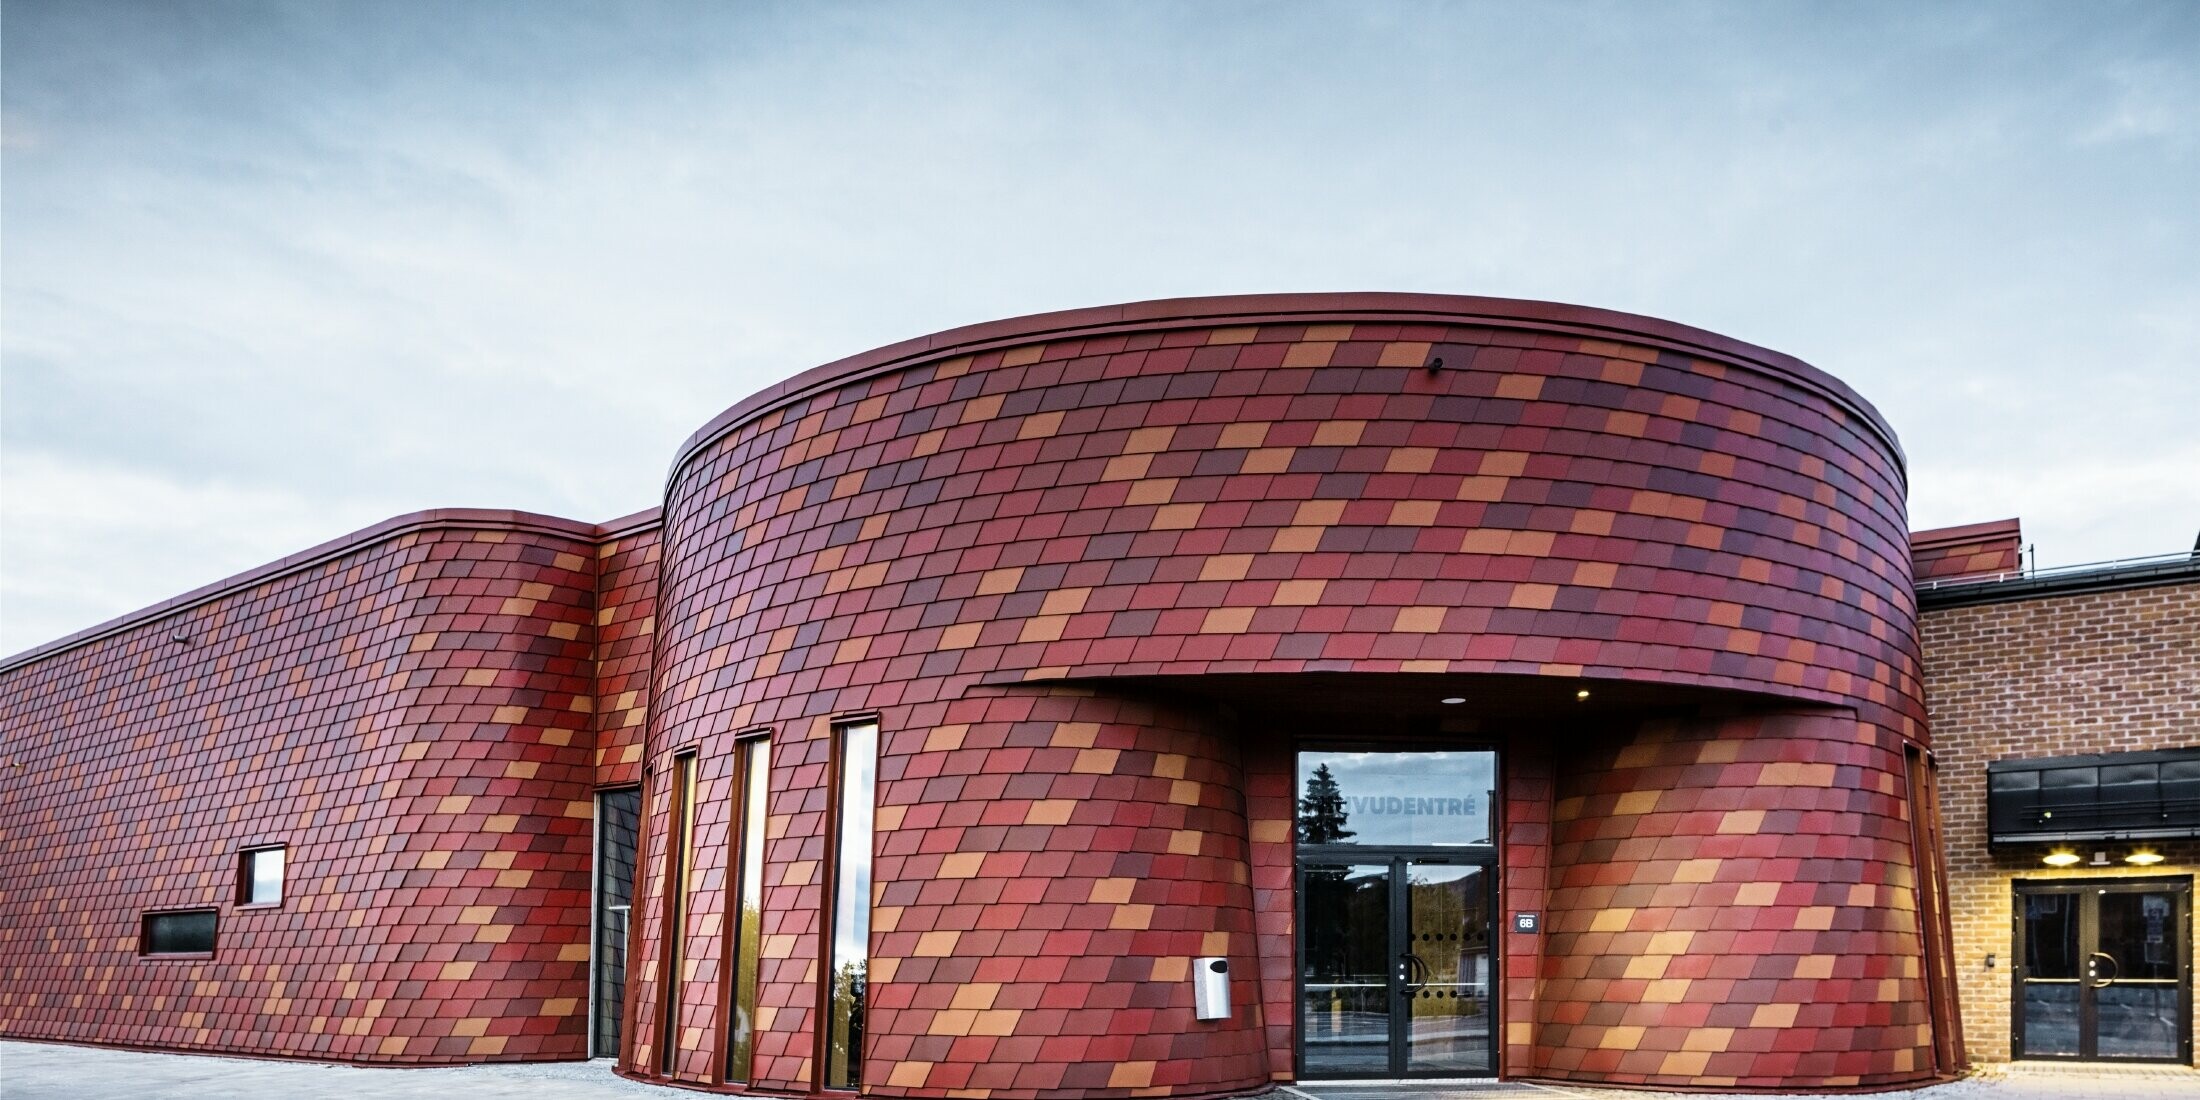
[[1291, 490], [1051, 860], [1342, 484], [1733, 902]]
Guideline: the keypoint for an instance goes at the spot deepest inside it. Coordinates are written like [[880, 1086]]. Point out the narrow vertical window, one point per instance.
[[755, 786], [851, 912], [680, 855]]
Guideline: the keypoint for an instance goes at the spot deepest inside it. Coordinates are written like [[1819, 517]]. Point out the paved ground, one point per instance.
[[40, 1071], [45, 1071], [2024, 1082]]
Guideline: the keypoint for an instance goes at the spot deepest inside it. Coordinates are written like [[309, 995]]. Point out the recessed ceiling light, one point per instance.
[[2060, 859], [1452, 702]]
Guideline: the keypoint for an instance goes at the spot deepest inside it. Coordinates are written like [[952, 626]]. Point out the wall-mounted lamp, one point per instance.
[[2100, 859], [180, 638], [1582, 696], [1453, 701], [2144, 857], [1436, 364], [2061, 858]]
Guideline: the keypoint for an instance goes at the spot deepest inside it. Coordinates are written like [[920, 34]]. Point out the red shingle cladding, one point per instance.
[[410, 716], [1051, 862], [1271, 814], [967, 536], [1973, 550], [1274, 486], [625, 622], [1733, 902]]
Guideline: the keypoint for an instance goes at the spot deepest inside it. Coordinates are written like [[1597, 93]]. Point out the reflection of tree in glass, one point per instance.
[[1347, 930], [845, 1041], [1447, 928], [748, 944], [1321, 812]]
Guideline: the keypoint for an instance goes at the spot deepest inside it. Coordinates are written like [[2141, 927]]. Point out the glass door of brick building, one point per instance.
[[2104, 970]]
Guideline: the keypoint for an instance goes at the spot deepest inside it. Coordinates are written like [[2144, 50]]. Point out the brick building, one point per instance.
[[2091, 675], [1451, 686]]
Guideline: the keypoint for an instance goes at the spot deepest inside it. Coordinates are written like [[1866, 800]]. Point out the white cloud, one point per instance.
[[2075, 510], [274, 275], [77, 548], [2152, 101]]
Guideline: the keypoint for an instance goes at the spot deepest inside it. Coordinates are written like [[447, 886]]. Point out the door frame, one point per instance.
[[2088, 941], [1398, 859], [596, 910], [1488, 855]]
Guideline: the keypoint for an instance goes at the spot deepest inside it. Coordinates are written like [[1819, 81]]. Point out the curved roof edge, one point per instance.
[[1382, 306], [482, 519]]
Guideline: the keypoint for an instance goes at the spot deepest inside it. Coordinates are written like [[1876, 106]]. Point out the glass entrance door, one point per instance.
[[618, 818], [1447, 959], [1397, 891], [1345, 999], [1398, 968], [2104, 970]]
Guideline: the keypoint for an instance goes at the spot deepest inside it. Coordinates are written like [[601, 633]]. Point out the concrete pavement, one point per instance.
[[44, 1071]]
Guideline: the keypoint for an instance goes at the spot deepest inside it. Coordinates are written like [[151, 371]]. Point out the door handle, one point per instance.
[[1414, 974], [2093, 969]]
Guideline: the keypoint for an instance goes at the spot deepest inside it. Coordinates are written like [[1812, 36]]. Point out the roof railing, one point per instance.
[[2165, 563]]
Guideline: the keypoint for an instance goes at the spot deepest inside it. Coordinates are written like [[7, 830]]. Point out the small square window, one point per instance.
[[186, 932], [260, 876]]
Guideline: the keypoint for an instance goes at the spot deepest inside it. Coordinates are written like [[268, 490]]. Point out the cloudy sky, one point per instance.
[[274, 272]]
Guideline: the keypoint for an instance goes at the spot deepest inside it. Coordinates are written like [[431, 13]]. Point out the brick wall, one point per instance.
[[2047, 676]]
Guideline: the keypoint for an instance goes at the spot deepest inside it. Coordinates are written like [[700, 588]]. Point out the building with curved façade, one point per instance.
[[1463, 686]]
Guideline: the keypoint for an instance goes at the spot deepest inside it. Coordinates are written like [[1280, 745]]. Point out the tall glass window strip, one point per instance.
[[755, 781], [681, 853], [851, 932]]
